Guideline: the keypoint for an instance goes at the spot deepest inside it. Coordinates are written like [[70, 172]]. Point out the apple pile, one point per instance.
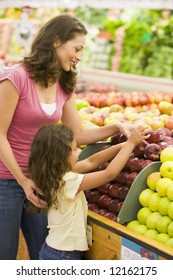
[[108, 199], [155, 217]]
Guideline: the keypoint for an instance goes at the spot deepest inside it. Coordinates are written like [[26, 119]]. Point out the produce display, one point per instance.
[[155, 217]]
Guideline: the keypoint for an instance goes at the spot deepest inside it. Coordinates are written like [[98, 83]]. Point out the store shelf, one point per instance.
[[127, 82]]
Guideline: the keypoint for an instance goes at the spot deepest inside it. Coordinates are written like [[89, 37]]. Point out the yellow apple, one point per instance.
[[153, 201], [163, 205], [170, 210], [166, 154], [143, 214], [162, 224], [162, 185], [170, 229], [144, 196], [152, 219], [151, 233], [166, 107], [166, 169], [162, 237], [152, 180]]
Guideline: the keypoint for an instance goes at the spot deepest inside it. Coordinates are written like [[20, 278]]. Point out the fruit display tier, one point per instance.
[[127, 82], [107, 239]]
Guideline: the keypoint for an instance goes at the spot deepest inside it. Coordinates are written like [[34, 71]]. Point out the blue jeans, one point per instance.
[[48, 253], [13, 216]]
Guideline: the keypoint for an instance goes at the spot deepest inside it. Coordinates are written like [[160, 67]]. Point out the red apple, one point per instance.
[[104, 201], [113, 205], [167, 139], [163, 145], [114, 190], [145, 163], [123, 192], [93, 207], [163, 131], [111, 215], [102, 212], [122, 138], [94, 196], [131, 177], [115, 138], [169, 123], [152, 152], [134, 164], [104, 188], [154, 136], [121, 177], [103, 165], [140, 148]]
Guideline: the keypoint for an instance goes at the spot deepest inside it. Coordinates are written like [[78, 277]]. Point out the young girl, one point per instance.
[[55, 169]]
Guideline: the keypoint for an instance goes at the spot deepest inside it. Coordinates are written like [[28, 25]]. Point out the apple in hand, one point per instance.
[[115, 138], [166, 169], [152, 152]]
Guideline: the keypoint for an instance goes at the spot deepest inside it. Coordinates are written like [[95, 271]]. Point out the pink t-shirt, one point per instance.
[[28, 117]]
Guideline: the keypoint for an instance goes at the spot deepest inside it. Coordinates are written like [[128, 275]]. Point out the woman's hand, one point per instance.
[[127, 128], [30, 190]]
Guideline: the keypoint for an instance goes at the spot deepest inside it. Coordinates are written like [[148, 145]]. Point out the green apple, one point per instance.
[[170, 229], [162, 224], [169, 242], [151, 220], [143, 214], [166, 169], [163, 205], [170, 192], [133, 224], [141, 229], [170, 210], [144, 196], [153, 201], [81, 103], [166, 154], [162, 185], [151, 233], [152, 180], [162, 237]]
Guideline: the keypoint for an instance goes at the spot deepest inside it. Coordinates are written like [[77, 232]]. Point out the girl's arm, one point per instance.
[[89, 135], [96, 179], [95, 160]]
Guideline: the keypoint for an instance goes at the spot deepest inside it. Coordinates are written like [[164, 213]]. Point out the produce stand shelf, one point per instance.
[[107, 236]]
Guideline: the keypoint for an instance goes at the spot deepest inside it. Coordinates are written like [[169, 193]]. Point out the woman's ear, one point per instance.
[[56, 43]]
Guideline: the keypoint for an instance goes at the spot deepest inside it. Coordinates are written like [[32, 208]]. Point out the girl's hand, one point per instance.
[[139, 134]]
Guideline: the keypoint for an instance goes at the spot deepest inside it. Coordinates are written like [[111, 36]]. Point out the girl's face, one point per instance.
[[70, 53], [74, 155]]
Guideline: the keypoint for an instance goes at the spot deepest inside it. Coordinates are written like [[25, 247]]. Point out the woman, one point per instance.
[[35, 92]]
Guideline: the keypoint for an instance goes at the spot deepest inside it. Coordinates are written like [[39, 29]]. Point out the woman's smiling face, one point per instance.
[[70, 53]]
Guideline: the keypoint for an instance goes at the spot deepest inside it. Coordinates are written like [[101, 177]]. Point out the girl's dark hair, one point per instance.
[[42, 62], [49, 160]]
